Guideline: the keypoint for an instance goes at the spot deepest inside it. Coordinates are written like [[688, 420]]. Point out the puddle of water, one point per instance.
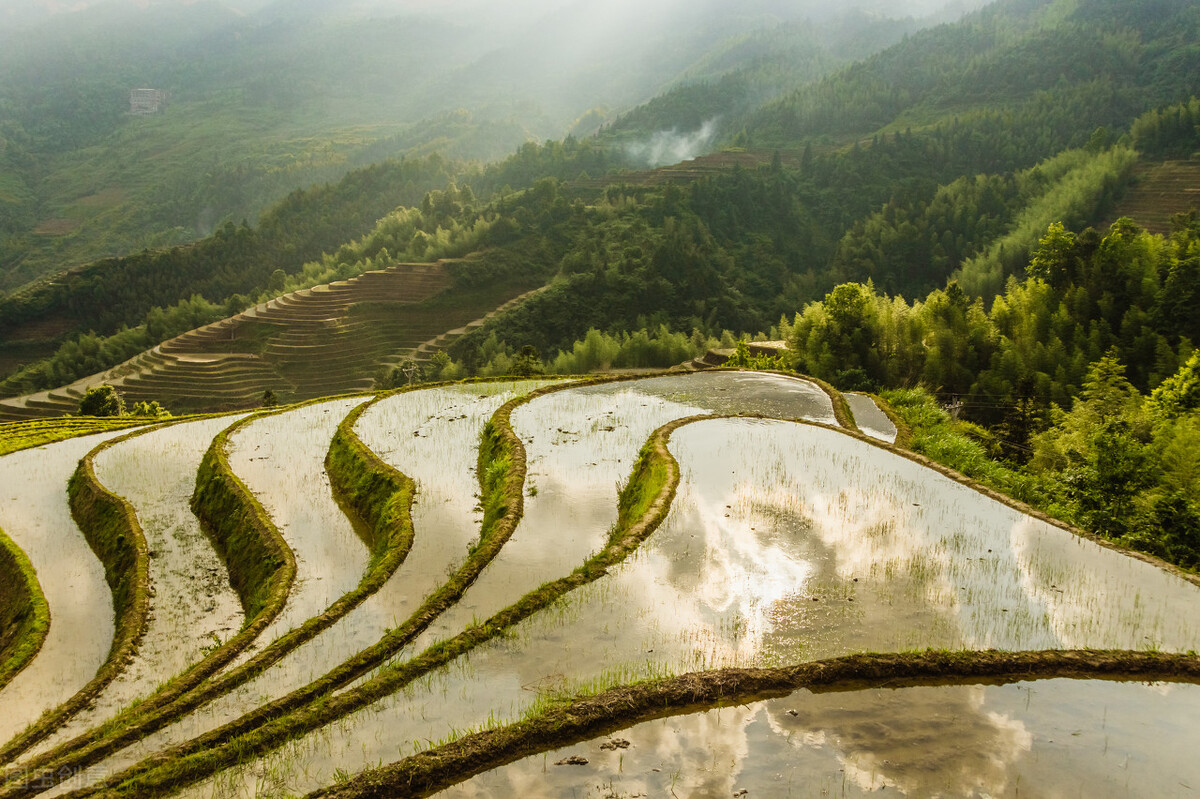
[[769, 517], [870, 419], [35, 514], [192, 603], [1050, 738], [281, 459]]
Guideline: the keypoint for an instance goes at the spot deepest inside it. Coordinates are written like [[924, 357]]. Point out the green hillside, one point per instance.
[[264, 103], [966, 193]]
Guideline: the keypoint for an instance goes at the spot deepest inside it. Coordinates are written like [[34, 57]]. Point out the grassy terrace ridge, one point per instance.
[[192, 688], [111, 528], [378, 495], [261, 565], [24, 613], [16, 436], [841, 408], [589, 717], [176, 769], [501, 471]]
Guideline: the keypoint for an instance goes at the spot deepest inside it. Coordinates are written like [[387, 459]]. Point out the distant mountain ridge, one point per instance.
[[269, 98]]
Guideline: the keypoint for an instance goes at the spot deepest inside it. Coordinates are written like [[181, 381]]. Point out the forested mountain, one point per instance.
[[967, 193], [263, 100]]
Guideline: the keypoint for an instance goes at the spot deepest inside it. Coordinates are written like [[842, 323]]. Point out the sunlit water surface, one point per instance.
[[1055, 738], [870, 419], [785, 543], [35, 514], [192, 605]]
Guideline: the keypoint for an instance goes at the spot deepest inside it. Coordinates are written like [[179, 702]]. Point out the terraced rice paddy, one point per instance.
[[1052, 738], [35, 514], [452, 416], [870, 419], [193, 605], [281, 458], [550, 551]]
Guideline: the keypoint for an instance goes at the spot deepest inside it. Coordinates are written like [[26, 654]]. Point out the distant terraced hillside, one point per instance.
[[1159, 192], [310, 343]]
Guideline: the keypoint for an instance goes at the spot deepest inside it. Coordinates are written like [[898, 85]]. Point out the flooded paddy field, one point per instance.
[[35, 514], [432, 436], [192, 605], [281, 459], [785, 543], [870, 419], [580, 445], [1059, 738]]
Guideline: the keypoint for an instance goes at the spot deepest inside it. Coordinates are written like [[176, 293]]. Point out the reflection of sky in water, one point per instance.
[[785, 543], [399, 429], [35, 515], [191, 599], [870, 419], [734, 392], [579, 446], [1057, 738]]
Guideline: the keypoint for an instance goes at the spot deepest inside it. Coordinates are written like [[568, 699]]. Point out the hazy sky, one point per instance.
[[26, 11]]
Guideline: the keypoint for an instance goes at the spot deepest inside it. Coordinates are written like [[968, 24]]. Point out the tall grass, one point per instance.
[[949, 442]]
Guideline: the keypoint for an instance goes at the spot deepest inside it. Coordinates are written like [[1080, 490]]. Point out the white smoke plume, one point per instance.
[[670, 146]]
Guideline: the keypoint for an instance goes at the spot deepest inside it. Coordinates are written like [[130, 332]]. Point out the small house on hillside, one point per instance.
[[146, 101]]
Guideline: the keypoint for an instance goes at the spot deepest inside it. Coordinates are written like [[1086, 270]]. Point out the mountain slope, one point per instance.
[[264, 103]]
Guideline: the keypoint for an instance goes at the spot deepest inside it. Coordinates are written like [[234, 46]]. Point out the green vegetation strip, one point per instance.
[[24, 614], [391, 532], [587, 718], [111, 528], [15, 436], [261, 565], [380, 496], [644, 503]]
